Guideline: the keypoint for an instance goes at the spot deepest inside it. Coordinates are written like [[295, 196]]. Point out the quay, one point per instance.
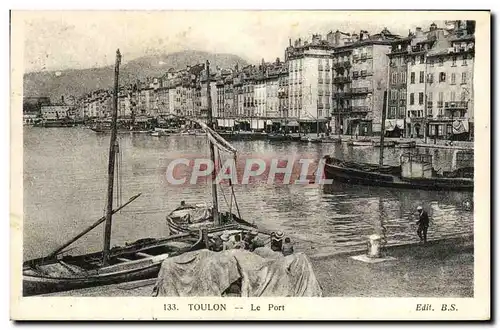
[[440, 268]]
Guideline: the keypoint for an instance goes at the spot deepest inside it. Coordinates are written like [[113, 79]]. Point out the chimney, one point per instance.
[[290, 42]]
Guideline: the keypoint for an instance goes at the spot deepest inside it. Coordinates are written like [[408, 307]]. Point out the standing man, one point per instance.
[[423, 224]]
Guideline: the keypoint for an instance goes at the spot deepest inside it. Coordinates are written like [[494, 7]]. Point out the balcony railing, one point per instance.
[[429, 104], [363, 108], [341, 80], [360, 90], [455, 105], [343, 65], [439, 104]]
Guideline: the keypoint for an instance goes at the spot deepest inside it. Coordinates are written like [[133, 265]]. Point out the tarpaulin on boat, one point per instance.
[[262, 273]]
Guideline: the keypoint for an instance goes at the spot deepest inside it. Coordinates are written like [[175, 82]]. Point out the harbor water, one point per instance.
[[65, 180]]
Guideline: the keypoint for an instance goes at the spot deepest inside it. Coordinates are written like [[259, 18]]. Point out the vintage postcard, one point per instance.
[[250, 165]]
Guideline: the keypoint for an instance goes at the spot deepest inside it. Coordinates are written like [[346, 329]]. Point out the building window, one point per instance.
[[394, 95], [394, 78], [413, 60], [412, 98], [412, 78], [403, 77], [454, 61], [420, 98], [442, 77], [422, 59], [430, 78], [464, 77], [464, 62], [402, 94], [462, 96], [452, 96], [453, 78], [421, 77], [440, 61], [431, 62]]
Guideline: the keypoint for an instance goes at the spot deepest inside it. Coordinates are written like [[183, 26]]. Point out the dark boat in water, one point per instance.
[[415, 172]]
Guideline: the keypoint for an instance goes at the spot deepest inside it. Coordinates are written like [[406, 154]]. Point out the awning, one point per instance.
[[292, 124], [460, 126], [392, 124], [269, 122]]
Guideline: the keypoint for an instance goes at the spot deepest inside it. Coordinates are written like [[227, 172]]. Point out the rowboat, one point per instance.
[[139, 260], [387, 144], [190, 219]]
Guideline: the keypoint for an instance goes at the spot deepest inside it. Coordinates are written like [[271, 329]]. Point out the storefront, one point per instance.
[[394, 127], [359, 127], [449, 129]]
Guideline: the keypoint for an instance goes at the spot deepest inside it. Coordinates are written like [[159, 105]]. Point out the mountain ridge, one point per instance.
[[76, 82]]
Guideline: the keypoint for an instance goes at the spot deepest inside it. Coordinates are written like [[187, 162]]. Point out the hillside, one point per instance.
[[78, 82]]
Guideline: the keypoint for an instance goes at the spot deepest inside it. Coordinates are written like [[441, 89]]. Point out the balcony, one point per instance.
[[342, 65], [342, 94], [429, 104], [361, 90], [439, 104], [341, 80], [455, 105], [363, 108]]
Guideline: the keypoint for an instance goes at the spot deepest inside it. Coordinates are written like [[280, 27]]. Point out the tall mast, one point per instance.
[[382, 130], [212, 149], [111, 165]]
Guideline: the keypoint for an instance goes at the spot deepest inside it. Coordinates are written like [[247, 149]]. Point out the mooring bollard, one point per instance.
[[374, 246]]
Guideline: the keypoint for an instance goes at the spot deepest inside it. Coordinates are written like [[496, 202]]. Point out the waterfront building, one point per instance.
[[309, 81], [450, 91], [54, 111], [360, 80], [204, 95], [397, 92]]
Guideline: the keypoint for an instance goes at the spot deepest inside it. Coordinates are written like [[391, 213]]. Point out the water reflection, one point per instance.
[[65, 183]]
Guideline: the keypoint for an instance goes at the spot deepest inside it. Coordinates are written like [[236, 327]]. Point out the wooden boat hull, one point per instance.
[[388, 144], [35, 282], [35, 285], [121, 131], [177, 226], [369, 178], [411, 144], [360, 143]]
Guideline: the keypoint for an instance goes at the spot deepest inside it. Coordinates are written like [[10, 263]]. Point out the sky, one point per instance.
[[75, 40]]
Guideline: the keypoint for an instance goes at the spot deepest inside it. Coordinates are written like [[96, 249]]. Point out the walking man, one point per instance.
[[423, 224]]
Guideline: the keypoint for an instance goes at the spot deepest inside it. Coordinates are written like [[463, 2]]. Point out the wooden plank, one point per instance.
[[123, 259], [144, 255]]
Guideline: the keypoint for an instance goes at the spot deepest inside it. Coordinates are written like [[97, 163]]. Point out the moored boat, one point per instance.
[[387, 144], [406, 144], [415, 172]]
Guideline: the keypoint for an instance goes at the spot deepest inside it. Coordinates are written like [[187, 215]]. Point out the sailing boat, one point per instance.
[[192, 218], [139, 260], [414, 172]]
